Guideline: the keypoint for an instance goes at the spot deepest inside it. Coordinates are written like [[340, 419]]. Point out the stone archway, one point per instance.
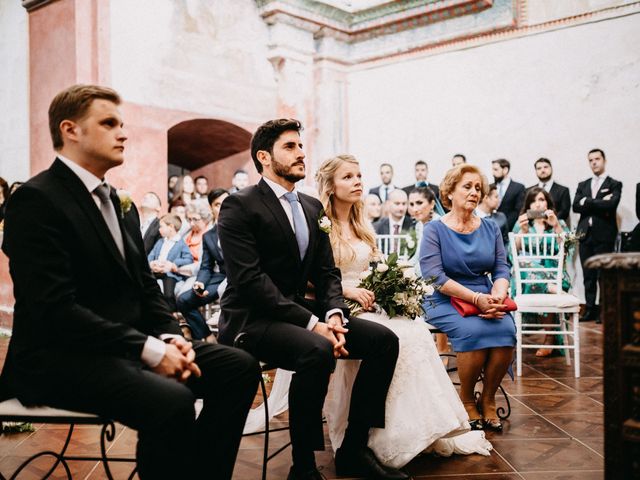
[[209, 147]]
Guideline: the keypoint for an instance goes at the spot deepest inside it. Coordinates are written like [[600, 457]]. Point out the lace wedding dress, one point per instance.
[[423, 410]]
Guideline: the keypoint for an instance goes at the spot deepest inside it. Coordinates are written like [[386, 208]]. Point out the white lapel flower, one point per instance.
[[325, 224], [125, 201]]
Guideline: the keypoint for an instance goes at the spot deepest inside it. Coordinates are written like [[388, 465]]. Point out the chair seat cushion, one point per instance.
[[553, 300]]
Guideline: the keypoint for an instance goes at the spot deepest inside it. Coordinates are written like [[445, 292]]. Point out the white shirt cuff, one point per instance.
[[153, 352], [584, 199], [334, 311], [222, 287], [312, 322]]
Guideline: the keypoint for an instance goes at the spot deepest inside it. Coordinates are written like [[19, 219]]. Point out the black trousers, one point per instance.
[[588, 248], [171, 442], [310, 356]]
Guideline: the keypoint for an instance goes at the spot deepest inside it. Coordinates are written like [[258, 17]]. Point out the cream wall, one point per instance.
[[203, 56], [555, 94], [14, 94]]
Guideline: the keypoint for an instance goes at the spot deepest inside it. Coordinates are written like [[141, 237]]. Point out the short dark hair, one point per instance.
[[386, 165], [199, 177], [531, 195], [240, 170], [72, 104], [215, 193], [542, 160], [491, 188], [173, 220], [464, 159], [267, 134], [503, 162], [421, 162], [594, 150]]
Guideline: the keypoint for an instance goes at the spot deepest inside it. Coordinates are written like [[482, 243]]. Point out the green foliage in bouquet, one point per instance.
[[398, 290], [410, 245]]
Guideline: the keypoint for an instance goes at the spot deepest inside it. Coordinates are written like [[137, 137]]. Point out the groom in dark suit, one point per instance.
[[273, 248], [91, 329]]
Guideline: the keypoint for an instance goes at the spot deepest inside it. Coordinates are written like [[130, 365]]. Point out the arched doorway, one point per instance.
[[213, 148]]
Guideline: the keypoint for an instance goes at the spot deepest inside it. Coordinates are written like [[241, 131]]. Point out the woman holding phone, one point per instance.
[[538, 215]]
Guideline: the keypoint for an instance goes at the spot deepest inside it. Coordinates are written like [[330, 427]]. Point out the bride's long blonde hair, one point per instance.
[[325, 177]]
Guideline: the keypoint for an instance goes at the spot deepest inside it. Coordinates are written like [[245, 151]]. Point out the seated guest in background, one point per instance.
[[91, 330], [421, 171], [487, 209], [460, 251], [239, 181], [559, 193], [207, 287], [458, 159], [167, 255], [149, 220], [199, 217], [4, 196], [179, 208], [216, 197], [538, 215], [397, 221], [185, 189], [386, 176], [596, 201], [372, 208], [510, 193], [201, 186], [171, 185]]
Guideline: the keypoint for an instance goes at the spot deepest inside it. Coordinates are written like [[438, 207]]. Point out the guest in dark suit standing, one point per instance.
[[91, 330], [211, 275], [596, 201], [397, 222], [274, 246], [559, 193], [150, 220], [510, 192], [386, 176], [421, 171]]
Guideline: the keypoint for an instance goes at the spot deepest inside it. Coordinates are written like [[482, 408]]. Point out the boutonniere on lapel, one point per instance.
[[125, 202], [324, 223]]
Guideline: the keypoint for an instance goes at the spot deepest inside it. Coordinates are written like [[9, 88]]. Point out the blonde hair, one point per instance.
[[342, 250], [453, 176]]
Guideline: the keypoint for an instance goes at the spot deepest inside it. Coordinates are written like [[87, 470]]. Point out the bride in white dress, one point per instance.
[[423, 409]]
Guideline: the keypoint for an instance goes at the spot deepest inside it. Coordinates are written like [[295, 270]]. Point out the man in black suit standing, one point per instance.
[[274, 247], [91, 330], [386, 176], [150, 220], [559, 193], [596, 201], [397, 222], [421, 172], [510, 193]]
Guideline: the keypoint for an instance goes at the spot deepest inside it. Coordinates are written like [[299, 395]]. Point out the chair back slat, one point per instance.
[[540, 247], [399, 244]]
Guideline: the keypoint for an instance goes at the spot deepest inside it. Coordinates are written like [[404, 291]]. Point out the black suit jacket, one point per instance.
[[376, 191], [381, 227], [602, 212], [267, 280], [151, 236], [511, 203], [211, 256], [562, 200], [76, 296]]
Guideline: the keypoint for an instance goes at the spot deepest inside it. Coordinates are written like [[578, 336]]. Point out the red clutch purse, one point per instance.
[[466, 309]]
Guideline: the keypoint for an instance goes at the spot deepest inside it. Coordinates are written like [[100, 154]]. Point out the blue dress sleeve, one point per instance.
[[430, 255], [500, 267]]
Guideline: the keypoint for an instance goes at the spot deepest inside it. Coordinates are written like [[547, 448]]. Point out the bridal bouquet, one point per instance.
[[398, 290], [571, 241]]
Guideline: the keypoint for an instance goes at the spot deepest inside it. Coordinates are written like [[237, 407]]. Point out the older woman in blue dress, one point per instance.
[[466, 256]]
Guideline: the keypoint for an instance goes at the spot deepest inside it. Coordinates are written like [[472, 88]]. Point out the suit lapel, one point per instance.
[[217, 252], [606, 184], [273, 204], [87, 204]]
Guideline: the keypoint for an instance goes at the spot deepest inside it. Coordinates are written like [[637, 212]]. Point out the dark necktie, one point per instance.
[[108, 212]]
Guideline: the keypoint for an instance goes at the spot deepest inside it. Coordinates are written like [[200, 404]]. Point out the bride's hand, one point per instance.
[[361, 295]]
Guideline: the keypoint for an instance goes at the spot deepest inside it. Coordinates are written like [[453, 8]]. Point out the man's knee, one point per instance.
[[318, 357]]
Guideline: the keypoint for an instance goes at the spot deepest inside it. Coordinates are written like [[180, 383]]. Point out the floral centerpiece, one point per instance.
[[398, 290], [571, 240]]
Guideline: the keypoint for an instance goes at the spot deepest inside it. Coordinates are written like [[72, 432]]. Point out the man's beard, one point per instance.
[[545, 179], [285, 171], [498, 179]]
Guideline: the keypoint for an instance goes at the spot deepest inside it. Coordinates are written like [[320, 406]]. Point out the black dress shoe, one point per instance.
[[362, 462], [313, 474], [589, 316]]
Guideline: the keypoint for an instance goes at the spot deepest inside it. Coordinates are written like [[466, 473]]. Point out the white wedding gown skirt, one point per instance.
[[423, 410]]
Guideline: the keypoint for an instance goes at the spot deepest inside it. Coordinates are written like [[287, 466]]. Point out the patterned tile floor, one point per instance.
[[555, 432]]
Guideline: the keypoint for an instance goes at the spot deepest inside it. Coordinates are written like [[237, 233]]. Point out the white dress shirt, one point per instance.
[[280, 191], [546, 185]]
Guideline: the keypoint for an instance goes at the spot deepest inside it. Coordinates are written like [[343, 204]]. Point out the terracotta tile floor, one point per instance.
[[555, 432]]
